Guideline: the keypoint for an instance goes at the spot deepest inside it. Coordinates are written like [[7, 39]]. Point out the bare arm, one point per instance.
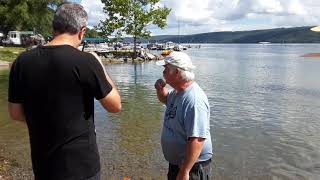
[[162, 91], [194, 148], [111, 102], [16, 111]]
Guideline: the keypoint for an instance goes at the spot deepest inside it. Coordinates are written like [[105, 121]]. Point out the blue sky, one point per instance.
[[200, 16]]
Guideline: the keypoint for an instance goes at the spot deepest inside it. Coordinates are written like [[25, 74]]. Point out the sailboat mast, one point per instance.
[[178, 30]]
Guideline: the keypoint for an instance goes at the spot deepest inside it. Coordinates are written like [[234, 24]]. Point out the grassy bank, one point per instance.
[[10, 53]]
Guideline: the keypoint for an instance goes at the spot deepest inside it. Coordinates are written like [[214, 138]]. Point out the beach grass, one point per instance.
[[10, 53]]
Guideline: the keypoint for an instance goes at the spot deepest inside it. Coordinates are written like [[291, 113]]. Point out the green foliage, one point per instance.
[[131, 17], [92, 33], [27, 15]]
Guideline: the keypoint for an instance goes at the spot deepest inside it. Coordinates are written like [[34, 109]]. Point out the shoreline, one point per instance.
[[6, 65], [119, 60], [122, 60]]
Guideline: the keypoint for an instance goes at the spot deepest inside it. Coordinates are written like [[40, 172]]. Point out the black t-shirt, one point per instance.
[[56, 86]]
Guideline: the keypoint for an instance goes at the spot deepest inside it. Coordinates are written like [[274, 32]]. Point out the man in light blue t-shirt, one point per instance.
[[185, 139]]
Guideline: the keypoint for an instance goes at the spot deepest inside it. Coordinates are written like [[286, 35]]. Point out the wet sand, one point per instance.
[[11, 169]]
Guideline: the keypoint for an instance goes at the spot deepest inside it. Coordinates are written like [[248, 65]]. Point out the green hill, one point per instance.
[[279, 35]]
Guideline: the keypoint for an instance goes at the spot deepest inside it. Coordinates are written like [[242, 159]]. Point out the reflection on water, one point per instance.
[[265, 109]]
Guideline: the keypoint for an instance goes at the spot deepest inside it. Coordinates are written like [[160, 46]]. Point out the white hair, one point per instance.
[[185, 75]]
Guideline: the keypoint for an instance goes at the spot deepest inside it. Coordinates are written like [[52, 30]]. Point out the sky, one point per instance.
[[201, 16]]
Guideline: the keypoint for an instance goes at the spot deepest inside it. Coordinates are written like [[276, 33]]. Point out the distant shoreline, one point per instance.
[[274, 35]]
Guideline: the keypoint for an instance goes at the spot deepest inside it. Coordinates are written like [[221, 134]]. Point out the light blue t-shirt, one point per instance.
[[187, 115]]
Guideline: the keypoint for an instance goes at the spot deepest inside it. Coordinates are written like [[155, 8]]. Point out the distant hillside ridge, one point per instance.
[[278, 35]]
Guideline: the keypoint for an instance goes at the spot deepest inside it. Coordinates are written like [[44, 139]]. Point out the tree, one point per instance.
[[42, 12], [131, 17], [91, 33], [27, 15]]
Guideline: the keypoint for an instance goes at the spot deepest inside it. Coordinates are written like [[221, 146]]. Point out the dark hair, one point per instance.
[[69, 18]]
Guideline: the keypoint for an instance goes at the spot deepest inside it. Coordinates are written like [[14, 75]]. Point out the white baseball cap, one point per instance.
[[178, 59], [315, 29]]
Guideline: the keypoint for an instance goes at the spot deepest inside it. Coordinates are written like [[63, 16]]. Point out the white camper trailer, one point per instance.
[[17, 37]]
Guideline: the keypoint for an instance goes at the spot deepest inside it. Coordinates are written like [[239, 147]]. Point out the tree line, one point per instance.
[[34, 15], [124, 17]]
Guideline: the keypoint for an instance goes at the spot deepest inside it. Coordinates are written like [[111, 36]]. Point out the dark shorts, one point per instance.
[[199, 171]]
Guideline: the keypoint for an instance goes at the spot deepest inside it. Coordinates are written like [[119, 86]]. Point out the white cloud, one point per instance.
[[224, 15], [296, 7], [270, 7], [190, 10], [94, 9]]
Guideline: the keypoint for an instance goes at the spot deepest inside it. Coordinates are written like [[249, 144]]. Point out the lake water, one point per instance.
[[265, 115]]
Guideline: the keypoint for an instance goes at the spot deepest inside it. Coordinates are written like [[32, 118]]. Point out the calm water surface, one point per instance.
[[265, 115]]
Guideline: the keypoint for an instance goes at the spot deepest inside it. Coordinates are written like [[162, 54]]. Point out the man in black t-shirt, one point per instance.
[[52, 88]]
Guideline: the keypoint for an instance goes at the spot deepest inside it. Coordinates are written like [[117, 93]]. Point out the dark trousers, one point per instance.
[[199, 171]]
